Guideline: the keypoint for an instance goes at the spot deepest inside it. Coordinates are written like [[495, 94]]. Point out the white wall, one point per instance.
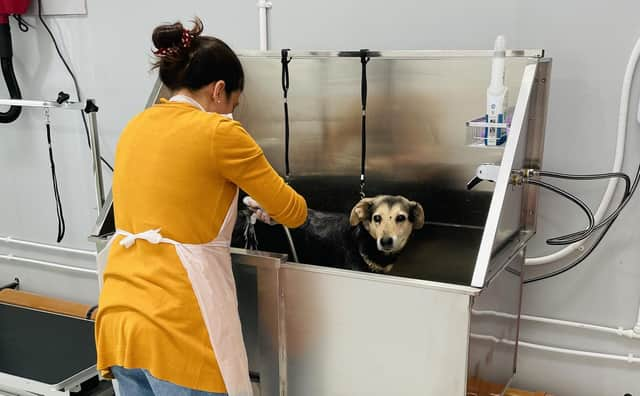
[[589, 43]]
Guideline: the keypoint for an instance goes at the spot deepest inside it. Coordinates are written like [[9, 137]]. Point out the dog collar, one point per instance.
[[376, 267]]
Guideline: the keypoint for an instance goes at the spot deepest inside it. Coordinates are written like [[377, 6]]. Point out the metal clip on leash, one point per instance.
[[285, 59], [54, 178], [364, 59]]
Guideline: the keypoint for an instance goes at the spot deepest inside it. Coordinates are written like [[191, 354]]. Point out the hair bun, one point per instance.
[[170, 36], [187, 59]]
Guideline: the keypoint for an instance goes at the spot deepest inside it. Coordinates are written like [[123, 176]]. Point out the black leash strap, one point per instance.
[[54, 178], [285, 59], [364, 59]]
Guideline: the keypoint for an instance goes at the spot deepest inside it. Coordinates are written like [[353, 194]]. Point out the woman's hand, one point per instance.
[[257, 210]]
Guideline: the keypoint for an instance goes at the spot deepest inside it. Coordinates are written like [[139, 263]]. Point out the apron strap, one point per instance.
[[151, 236]]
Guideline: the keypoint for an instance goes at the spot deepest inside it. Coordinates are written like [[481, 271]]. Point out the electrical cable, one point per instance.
[[568, 196], [73, 77]]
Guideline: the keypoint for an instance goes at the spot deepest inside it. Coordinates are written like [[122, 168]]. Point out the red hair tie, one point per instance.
[[160, 52], [186, 39]]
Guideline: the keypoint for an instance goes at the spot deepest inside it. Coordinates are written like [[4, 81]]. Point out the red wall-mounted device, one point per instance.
[[10, 7]]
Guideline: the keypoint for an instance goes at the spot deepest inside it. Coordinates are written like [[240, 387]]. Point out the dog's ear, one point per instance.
[[416, 215], [361, 211]]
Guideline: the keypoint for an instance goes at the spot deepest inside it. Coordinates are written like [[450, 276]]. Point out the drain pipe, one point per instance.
[[263, 6]]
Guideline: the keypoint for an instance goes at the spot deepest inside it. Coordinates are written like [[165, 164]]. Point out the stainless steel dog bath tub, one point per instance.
[[420, 330]]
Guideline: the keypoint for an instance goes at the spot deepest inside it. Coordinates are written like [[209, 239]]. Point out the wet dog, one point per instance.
[[388, 222], [370, 238]]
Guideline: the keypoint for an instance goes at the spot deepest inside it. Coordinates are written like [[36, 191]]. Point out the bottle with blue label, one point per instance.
[[496, 97]]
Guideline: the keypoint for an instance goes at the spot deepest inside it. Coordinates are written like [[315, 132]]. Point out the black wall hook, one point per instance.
[[62, 97]]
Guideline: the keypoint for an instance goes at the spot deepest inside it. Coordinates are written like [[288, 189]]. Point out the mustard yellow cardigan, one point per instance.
[[176, 169]]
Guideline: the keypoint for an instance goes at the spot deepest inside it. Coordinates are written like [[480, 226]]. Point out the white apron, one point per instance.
[[209, 269]]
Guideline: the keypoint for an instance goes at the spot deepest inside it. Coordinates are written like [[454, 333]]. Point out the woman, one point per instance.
[[168, 320]]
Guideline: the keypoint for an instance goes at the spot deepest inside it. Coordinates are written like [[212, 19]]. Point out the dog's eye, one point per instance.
[[377, 218], [400, 218]]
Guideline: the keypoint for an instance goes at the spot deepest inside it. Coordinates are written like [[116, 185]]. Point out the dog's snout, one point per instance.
[[386, 242]]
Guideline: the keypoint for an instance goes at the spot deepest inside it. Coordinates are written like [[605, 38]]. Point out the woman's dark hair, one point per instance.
[[185, 59]]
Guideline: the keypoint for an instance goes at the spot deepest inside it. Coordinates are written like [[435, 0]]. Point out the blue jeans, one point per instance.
[[139, 382]]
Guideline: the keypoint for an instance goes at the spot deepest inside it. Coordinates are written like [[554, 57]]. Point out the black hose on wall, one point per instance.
[[6, 53]]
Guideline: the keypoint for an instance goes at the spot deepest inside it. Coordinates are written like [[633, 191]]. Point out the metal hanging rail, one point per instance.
[[89, 107], [46, 103], [397, 54]]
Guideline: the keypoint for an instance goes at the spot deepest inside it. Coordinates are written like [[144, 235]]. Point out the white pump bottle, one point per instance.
[[497, 96]]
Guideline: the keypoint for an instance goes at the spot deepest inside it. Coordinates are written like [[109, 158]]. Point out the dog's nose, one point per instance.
[[386, 242]]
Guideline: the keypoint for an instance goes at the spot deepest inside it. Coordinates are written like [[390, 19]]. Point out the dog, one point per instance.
[[369, 239]]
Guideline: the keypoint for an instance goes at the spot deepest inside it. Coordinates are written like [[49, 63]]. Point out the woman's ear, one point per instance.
[[219, 92]]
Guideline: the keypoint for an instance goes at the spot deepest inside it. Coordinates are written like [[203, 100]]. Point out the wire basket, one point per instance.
[[485, 134]]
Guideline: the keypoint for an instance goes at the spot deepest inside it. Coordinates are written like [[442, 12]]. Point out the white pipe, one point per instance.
[[638, 112], [263, 6], [623, 117], [11, 257], [10, 239], [630, 358], [629, 333]]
